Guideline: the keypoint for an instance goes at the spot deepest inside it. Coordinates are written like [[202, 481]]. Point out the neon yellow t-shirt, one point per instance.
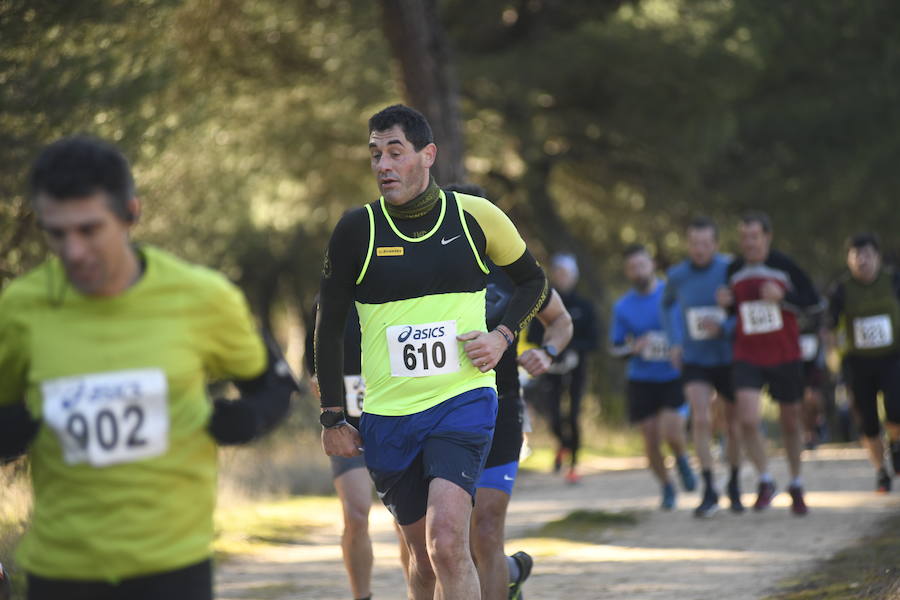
[[123, 470]]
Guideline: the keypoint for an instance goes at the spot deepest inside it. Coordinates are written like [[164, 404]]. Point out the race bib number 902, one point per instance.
[[423, 350], [109, 418]]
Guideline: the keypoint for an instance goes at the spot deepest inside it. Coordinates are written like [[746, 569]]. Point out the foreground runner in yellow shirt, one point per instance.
[[105, 352]]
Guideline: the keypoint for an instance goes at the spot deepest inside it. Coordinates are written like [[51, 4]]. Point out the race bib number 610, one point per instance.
[[109, 418], [423, 350]]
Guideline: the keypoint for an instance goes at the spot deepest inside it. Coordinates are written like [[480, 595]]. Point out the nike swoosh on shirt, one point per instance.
[[445, 241], [508, 478]]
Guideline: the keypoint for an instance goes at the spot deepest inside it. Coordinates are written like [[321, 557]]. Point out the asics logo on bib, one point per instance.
[[420, 333], [121, 391]]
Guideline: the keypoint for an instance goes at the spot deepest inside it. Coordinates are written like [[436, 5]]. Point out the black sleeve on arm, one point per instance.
[[733, 267], [309, 353], [17, 430], [343, 261], [531, 291], [265, 401], [802, 295], [835, 304]]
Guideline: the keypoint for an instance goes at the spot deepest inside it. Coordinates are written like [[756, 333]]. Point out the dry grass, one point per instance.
[[289, 463], [866, 571], [15, 509]]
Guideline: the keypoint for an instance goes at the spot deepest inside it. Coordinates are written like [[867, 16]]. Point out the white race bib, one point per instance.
[[760, 316], [657, 347], [873, 332], [809, 346], [109, 418], [423, 350], [698, 316], [355, 389]]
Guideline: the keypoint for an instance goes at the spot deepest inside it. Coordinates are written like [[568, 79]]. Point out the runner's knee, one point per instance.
[[356, 520], [447, 549], [701, 421], [487, 533]]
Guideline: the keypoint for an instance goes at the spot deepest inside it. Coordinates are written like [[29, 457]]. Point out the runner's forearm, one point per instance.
[[342, 263], [17, 430], [531, 292], [264, 403], [557, 323]]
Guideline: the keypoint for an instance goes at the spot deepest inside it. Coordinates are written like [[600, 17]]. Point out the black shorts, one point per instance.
[[507, 443], [865, 377], [813, 374], [189, 583], [647, 398], [719, 377], [785, 381]]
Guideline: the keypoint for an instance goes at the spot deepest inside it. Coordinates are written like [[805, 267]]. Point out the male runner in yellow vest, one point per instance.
[[414, 263], [105, 351]]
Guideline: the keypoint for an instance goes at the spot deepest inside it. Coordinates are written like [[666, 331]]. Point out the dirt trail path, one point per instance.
[[665, 556]]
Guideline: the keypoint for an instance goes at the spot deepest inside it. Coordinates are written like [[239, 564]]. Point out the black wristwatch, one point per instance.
[[551, 351], [332, 418]]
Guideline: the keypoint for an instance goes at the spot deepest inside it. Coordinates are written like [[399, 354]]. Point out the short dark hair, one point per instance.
[[632, 249], [413, 123], [702, 222], [79, 166], [471, 189], [866, 238], [757, 216]]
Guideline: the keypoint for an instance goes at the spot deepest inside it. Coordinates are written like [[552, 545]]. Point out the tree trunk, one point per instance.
[[419, 45]]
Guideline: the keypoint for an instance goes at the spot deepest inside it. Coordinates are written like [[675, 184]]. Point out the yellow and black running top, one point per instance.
[[418, 283]]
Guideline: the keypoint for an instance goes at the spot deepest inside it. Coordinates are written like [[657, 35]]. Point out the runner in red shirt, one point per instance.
[[767, 290]]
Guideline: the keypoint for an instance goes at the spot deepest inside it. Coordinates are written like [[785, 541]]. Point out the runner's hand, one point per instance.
[[638, 344], [484, 349], [342, 441], [535, 361], [724, 297], [711, 326], [771, 291], [314, 387]]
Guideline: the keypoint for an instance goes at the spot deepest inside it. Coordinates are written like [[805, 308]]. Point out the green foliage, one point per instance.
[[90, 67], [592, 123]]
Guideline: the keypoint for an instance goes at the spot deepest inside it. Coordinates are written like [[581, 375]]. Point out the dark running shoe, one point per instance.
[[883, 481], [798, 505], [734, 495], [764, 495], [558, 460], [895, 456], [688, 481], [709, 506], [525, 562], [668, 497]]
